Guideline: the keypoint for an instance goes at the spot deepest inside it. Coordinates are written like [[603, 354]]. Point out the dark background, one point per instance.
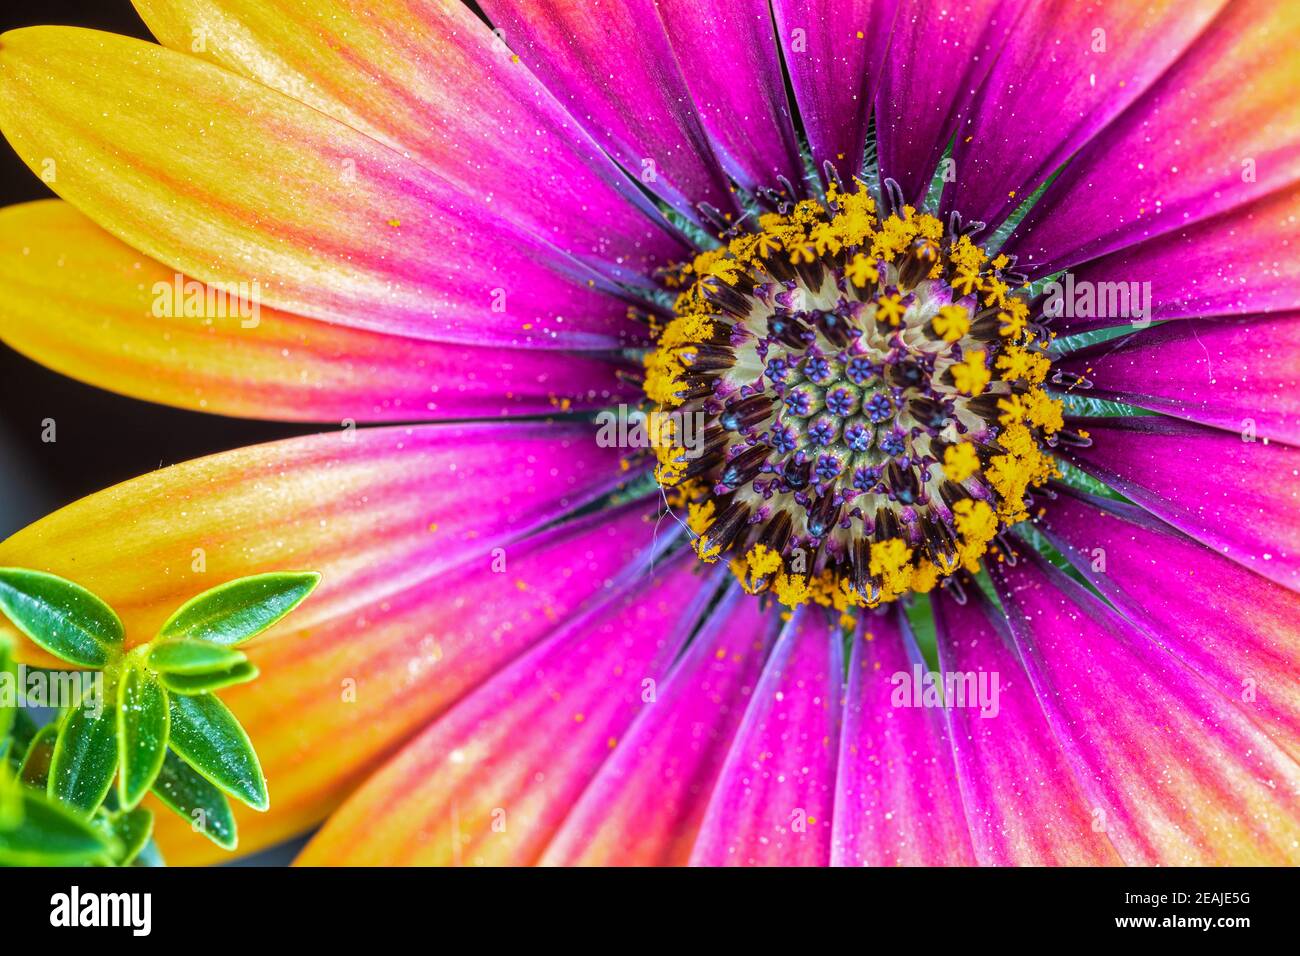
[[103, 438]]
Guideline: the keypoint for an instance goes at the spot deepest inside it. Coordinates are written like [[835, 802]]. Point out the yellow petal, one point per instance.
[[431, 80], [230, 182], [86, 304]]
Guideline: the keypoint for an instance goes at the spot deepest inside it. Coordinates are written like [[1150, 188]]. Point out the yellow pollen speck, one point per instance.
[[960, 462], [890, 308], [952, 322], [971, 375], [763, 560], [862, 271]]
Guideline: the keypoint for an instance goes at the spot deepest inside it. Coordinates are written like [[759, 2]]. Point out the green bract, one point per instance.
[[62, 617], [48, 834], [198, 801], [233, 612], [210, 681], [7, 673], [187, 655], [127, 830], [161, 728], [209, 738], [85, 758], [143, 723]]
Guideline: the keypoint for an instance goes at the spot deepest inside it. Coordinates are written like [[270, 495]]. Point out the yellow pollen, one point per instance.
[[971, 375], [952, 323], [960, 462]]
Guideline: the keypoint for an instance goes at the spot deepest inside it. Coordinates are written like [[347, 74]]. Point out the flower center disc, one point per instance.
[[871, 395]]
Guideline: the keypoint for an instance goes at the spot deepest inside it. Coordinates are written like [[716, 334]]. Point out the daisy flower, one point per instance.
[[807, 432]]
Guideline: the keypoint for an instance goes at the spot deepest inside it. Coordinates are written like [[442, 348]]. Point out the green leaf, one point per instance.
[[129, 830], [207, 735], [85, 758], [62, 617], [9, 676], [11, 797], [20, 736], [187, 655], [51, 835], [198, 801], [206, 683], [35, 769], [233, 612], [143, 723]]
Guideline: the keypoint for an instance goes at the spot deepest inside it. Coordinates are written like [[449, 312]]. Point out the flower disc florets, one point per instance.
[[873, 397]]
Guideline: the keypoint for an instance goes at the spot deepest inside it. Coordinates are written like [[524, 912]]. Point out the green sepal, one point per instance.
[[11, 797], [52, 835], [233, 612], [128, 830], [60, 616], [143, 724], [35, 768], [85, 758], [188, 794], [9, 675], [188, 655], [209, 738], [208, 682], [20, 736]]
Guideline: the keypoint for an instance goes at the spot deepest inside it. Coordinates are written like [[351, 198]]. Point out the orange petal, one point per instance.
[[230, 182], [432, 81], [83, 303]]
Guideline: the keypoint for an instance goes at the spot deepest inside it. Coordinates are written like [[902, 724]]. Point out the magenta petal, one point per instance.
[[1230, 264], [1056, 82], [614, 70], [1234, 628], [1241, 498], [1217, 130], [728, 55], [1241, 375], [772, 803], [896, 796], [416, 652], [647, 802], [1022, 801], [1172, 772], [938, 57], [491, 781], [834, 50]]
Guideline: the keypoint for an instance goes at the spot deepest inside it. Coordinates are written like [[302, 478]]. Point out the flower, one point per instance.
[[1023, 591]]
